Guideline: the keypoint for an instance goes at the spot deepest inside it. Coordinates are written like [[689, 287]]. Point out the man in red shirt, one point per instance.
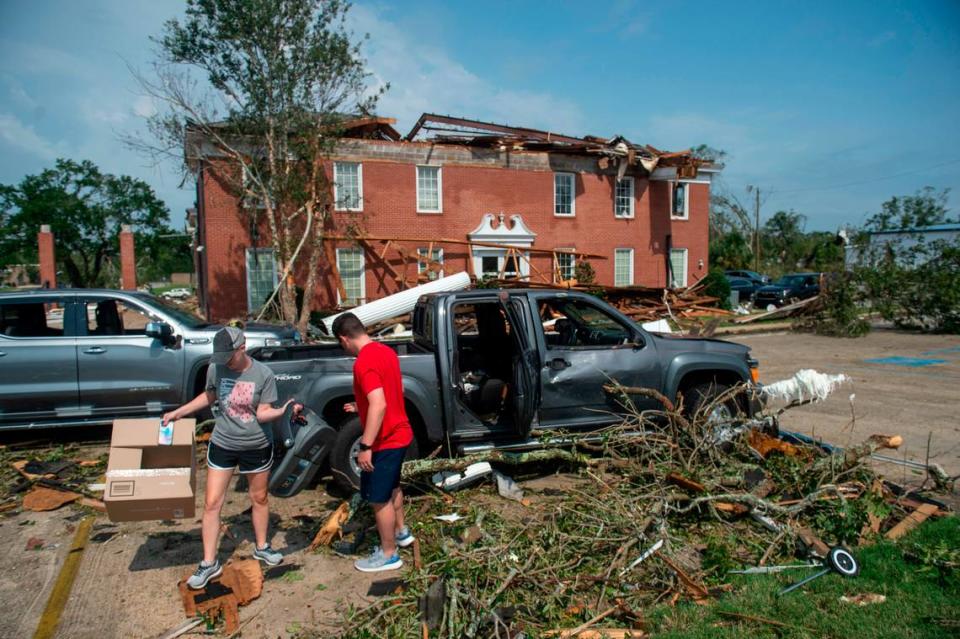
[[378, 389]]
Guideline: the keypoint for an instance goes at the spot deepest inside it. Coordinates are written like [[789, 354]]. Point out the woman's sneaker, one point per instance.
[[204, 574], [403, 537], [268, 555], [378, 562]]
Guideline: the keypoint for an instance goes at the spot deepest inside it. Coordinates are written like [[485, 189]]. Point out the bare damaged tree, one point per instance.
[[257, 91]]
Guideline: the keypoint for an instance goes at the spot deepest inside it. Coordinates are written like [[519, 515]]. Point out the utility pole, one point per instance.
[[756, 228], [756, 256]]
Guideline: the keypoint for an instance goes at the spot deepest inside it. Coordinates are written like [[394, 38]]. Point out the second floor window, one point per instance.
[[429, 189], [564, 194], [348, 186], [680, 204], [623, 198]]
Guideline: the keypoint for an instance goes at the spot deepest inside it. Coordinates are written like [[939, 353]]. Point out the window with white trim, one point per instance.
[[348, 186], [424, 258], [623, 198], [566, 264], [350, 266], [262, 276], [680, 208], [678, 267], [564, 194], [623, 267], [429, 189]]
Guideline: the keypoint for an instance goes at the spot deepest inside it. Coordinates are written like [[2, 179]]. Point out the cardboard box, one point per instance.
[[146, 480]]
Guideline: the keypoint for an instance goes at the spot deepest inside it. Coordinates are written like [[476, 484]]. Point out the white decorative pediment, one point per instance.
[[494, 228]]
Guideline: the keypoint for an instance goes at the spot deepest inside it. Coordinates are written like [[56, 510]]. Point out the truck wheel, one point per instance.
[[703, 394], [343, 456]]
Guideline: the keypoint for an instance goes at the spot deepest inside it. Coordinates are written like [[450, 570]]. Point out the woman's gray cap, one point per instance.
[[225, 342]]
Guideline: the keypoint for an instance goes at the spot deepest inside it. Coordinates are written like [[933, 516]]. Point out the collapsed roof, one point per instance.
[[616, 151]]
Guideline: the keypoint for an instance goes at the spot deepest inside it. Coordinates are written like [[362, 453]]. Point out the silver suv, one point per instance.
[[85, 356]]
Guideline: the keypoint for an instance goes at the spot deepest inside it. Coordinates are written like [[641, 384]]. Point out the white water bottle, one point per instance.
[[166, 434]]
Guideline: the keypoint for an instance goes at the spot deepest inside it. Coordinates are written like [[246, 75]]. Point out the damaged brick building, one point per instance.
[[463, 195]]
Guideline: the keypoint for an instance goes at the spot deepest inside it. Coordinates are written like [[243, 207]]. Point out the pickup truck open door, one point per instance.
[[526, 364]]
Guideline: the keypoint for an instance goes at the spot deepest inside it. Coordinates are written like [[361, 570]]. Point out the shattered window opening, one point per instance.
[[428, 189], [623, 198], [564, 194], [348, 186], [680, 210], [623, 267], [423, 262], [678, 267]]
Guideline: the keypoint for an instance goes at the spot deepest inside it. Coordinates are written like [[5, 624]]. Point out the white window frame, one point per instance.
[[573, 194], [439, 169], [633, 196], [686, 201], [686, 268], [568, 250], [628, 251], [246, 270], [336, 182], [423, 251], [363, 274]]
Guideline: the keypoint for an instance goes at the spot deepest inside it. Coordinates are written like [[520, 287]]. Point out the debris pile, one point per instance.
[[656, 512], [49, 479]]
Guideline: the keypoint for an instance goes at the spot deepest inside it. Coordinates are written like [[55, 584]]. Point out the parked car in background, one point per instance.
[[86, 356], [753, 276], [744, 287], [789, 288]]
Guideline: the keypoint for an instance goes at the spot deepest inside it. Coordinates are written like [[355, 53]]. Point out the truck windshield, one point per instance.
[[182, 315]]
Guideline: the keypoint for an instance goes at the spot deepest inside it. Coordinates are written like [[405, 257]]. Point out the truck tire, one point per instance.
[[703, 394], [343, 456]]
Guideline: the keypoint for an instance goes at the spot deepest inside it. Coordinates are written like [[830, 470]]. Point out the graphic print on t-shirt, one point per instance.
[[238, 400]]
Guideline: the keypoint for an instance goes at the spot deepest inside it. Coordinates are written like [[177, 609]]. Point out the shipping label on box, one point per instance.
[[147, 480]]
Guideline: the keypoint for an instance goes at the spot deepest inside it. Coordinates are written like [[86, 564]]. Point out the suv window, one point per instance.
[[572, 323], [116, 317], [35, 318]]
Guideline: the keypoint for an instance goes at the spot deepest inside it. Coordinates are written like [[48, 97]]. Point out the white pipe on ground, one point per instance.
[[400, 303]]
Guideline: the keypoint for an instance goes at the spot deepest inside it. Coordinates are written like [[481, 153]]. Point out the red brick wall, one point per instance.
[[469, 192]]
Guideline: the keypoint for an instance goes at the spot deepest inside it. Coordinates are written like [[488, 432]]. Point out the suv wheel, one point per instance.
[[721, 415], [343, 456]]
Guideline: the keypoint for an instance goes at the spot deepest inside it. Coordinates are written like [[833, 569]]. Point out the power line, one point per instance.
[[876, 179]]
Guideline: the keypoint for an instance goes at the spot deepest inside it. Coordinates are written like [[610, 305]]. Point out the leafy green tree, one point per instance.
[[926, 207], [85, 209], [731, 251], [782, 237], [278, 78]]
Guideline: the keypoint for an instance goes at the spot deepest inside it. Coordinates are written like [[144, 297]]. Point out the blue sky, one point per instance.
[[830, 107]]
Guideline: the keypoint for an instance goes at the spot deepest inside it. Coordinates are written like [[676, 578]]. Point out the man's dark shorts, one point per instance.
[[377, 487], [248, 461]]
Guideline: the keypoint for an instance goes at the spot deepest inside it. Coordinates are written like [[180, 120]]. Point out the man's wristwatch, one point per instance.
[[365, 446]]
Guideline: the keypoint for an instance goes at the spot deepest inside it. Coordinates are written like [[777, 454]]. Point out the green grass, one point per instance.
[[917, 595]]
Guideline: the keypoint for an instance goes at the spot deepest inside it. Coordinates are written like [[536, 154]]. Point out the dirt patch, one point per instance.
[[912, 393]]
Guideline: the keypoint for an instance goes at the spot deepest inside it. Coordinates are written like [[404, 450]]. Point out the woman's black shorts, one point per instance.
[[248, 461]]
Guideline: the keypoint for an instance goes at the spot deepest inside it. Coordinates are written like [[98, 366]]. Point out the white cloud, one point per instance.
[[424, 78], [24, 138], [143, 107]]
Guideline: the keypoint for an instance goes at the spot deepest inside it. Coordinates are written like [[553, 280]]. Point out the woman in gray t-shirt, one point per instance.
[[241, 392]]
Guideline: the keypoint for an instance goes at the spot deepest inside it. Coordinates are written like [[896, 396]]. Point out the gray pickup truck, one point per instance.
[[73, 357], [493, 369]]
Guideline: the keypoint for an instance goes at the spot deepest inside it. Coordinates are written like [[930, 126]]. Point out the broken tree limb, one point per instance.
[[911, 521], [426, 466], [847, 458], [331, 527]]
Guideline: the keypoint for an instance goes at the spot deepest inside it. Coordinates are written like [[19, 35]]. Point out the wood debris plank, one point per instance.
[[911, 521]]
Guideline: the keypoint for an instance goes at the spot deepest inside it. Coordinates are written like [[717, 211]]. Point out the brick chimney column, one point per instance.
[[48, 261], [128, 261]]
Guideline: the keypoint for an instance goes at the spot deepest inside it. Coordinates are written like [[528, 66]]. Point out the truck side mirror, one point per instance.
[[160, 331]]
